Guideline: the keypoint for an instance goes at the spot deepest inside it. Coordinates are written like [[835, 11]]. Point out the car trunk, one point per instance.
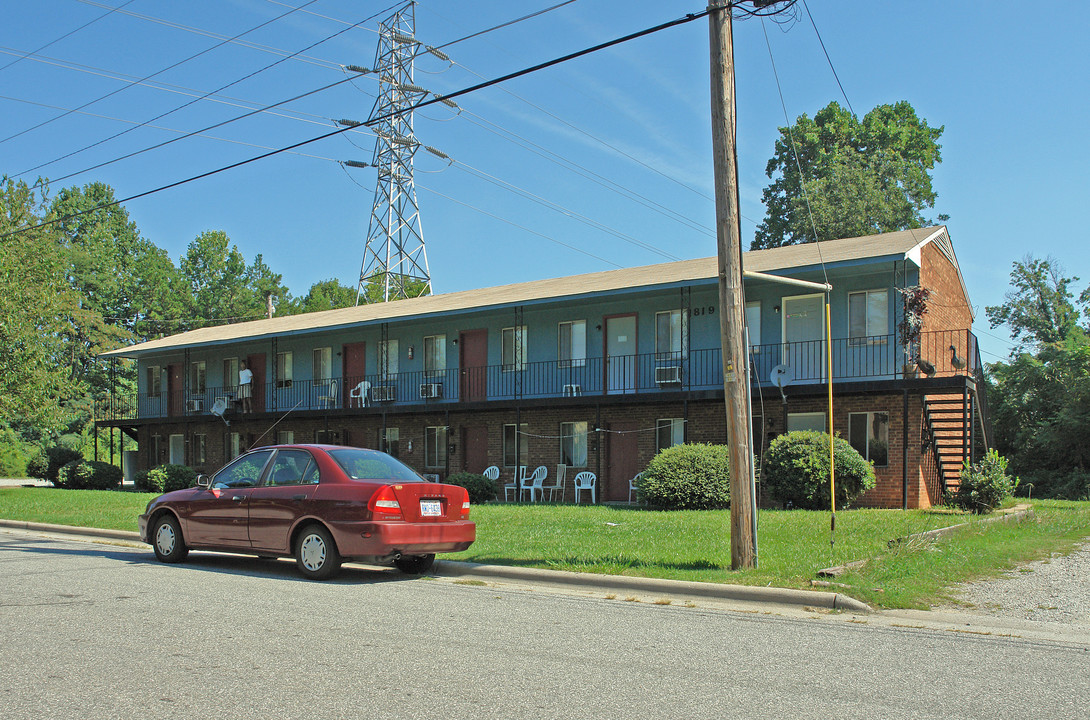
[[429, 502]]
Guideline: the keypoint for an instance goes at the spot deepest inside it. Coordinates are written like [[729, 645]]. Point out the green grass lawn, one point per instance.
[[695, 545]]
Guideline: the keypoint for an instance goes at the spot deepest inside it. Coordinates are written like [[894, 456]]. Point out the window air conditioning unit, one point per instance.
[[196, 404], [668, 374], [431, 390], [573, 390], [384, 393]]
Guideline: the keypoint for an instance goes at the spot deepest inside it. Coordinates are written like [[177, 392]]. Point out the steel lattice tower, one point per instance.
[[395, 253]]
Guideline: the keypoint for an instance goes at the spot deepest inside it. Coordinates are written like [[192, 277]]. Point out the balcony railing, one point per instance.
[[864, 358]]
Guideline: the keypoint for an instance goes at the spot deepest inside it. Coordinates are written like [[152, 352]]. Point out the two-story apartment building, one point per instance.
[[595, 371]]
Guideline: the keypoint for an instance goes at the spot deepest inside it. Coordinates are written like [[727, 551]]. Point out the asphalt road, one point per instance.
[[101, 631]]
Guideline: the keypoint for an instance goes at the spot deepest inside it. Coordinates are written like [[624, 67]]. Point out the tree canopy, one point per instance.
[[1039, 309], [859, 177]]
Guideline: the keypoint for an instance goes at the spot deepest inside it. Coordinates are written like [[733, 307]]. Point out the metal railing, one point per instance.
[[863, 358]]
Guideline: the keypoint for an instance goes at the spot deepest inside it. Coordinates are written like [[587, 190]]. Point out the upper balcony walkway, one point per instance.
[[854, 359]]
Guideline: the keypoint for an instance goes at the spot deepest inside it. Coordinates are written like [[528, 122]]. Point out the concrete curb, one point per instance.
[[451, 568]]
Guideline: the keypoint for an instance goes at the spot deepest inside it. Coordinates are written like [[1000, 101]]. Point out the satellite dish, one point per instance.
[[781, 376], [219, 408]]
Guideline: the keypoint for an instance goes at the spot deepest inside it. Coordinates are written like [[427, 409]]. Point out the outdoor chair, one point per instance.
[[512, 487], [634, 485], [329, 399], [534, 483], [559, 484], [585, 480], [358, 394], [491, 473]]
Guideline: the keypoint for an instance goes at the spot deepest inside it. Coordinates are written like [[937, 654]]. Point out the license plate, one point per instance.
[[431, 508]]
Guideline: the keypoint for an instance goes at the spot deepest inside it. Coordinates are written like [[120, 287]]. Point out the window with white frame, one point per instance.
[[155, 380], [669, 432], [285, 437], [389, 441], [435, 447], [230, 374], [670, 334], [868, 432], [753, 324], [200, 448], [323, 363], [235, 446], [197, 377], [513, 434], [573, 444], [868, 316], [435, 355], [806, 421], [513, 341], [284, 371], [387, 359], [571, 344]]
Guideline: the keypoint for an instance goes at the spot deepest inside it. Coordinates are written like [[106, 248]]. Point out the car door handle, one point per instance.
[[300, 496], [238, 498]]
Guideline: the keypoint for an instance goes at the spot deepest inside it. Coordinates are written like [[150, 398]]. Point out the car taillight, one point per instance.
[[465, 503], [383, 502]]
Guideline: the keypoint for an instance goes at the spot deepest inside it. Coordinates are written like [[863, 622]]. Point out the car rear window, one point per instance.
[[361, 464]]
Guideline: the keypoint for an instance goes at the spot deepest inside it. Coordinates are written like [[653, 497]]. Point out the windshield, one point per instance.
[[361, 464]]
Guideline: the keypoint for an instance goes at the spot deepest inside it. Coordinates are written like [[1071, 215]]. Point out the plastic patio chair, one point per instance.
[[512, 487], [559, 484], [534, 483], [359, 393], [585, 480], [633, 485], [491, 473]]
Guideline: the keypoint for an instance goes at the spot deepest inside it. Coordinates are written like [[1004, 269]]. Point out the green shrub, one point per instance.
[[984, 485], [480, 488], [167, 478], [142, 483], [687, 477], [38, 466], [58, 456], [796, 471], [88, 475]]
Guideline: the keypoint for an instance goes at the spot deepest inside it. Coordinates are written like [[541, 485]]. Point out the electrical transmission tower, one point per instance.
[[395, 254]]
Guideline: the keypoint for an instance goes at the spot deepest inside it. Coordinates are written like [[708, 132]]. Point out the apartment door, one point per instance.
[[475, 442], [473, 365], [256, 363], [620, 365], [622, 462], [175, 390], [803, 332], [353, 369]]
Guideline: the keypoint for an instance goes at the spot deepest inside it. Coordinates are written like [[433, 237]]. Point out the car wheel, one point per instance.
[[166, 539], [415, 564], [316, 554]]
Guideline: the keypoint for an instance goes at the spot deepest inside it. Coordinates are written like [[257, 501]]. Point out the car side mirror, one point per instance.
[[204, 481]]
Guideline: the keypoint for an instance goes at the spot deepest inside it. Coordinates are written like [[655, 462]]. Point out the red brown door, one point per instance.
[[475, 442], [353, 370], [622, 461], [175, 390], [256, 363], [473, 365]]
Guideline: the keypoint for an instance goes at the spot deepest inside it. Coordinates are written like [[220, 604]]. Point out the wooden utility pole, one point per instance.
[[743, 548]]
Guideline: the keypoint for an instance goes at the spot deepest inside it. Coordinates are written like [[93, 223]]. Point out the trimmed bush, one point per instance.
[[984, 485], [57, 457], [796, 471], [167, 478], [480, 488], [88, 475], [141, 483], [687, 477], [38, 466]]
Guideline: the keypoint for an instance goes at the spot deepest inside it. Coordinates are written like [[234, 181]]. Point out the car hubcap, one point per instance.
[[312, 552], [164, 539]]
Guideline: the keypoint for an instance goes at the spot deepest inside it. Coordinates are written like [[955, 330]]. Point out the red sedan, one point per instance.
[[322, 504]]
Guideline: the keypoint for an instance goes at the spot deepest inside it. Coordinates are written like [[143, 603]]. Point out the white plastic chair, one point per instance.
[[561, 477], [491, 473], [633, 485], [359, 393], [534, 483], [329, 399], [585, 480], [512, 487]]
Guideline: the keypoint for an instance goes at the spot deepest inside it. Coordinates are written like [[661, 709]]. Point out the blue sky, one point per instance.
[[619, 141]]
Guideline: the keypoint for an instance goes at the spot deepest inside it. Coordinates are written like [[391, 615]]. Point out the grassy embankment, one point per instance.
[[793, 545]]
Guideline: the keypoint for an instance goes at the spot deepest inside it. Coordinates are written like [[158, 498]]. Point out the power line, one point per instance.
[[148, 77], [423, 103], [829, 59], [108, 12], [206, 95]]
